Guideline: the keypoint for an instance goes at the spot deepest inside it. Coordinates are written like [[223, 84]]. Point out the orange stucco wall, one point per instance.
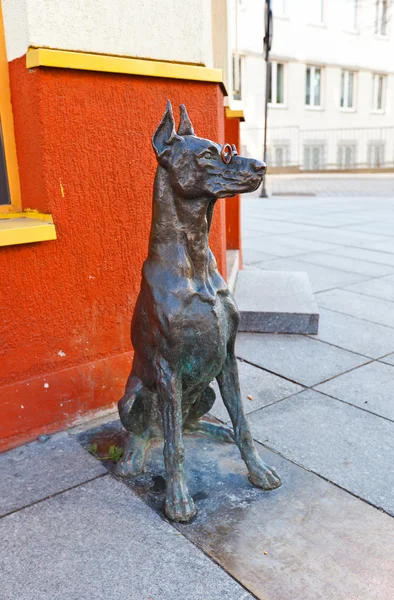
[[84, 153], [233, 205]]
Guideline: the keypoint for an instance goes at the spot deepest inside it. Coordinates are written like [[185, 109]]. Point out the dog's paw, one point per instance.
[[179, 505], [265, 478]]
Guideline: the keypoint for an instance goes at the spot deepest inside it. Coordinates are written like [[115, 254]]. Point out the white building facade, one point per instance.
[[331, 99]]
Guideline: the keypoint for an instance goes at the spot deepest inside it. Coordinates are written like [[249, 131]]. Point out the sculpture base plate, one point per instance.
[[324, 537]]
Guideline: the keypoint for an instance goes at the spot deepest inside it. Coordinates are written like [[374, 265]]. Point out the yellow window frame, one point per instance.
[[16, 226], [7, 125]]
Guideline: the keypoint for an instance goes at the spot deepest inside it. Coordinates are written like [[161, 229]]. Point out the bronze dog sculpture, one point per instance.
[[185, 320]]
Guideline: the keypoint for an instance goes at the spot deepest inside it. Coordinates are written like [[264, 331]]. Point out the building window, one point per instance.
[[279, 8], [377, 93], [276, 92], [316, 11], [347, 155], [278, 154], [381, 17], [237, 76], [314, 157], [10, 197], [376, 155], [347, 89], [4, 191], [313, 86], [350, 14]]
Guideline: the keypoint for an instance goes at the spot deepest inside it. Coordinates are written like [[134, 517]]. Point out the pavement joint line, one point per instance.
[[369, 278], [294, 234], [352, 405], [368, 295], [384, 356], [73, 487], [268, 370], [354, 316], [313, 337], [343, 270], [361, 260], [256, 410], [294, 462], [367, 362], [334, 227]]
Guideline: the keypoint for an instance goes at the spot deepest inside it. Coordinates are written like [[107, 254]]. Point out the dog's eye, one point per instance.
[[207, 155]]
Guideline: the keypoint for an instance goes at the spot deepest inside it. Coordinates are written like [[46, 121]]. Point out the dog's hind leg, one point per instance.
[[260, 474], [132, 462], [179, 505], [196, 424]]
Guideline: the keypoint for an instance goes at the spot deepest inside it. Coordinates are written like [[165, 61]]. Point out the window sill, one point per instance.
[[377, 112], [25, 228], [352, 32], [282, 106], [321, 25], [347, 110], [312, 107], [383, 38]]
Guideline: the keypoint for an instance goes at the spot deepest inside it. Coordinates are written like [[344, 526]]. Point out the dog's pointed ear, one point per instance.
[[185, 124], [165, 135]]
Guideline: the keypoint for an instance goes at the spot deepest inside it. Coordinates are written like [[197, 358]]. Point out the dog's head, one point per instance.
[[199, 167]]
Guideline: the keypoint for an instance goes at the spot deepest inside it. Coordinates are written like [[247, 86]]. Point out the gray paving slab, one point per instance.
[[376, 186], [285, 246], [100, 541], [342, 443], [307, 540], [342, 263], [276, 302], [253, 255], [38, 470], [358, 305], [264, 389], [386, 246], [370, 387], [365, 255], [380, 227], [301, 359], [382, 288], [389, 359], [340, 236], [354, 334], [321, 277], [278, 227]]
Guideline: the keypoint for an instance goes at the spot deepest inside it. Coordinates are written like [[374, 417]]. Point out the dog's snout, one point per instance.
[[259, 167]]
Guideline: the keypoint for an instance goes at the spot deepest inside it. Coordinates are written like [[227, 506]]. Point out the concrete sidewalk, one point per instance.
[[322, 410], [331, 184]]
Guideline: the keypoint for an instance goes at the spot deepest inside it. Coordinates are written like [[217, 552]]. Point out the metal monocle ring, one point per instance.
[[226, 153]]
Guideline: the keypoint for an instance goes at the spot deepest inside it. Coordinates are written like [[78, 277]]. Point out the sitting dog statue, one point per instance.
[[185, 320]]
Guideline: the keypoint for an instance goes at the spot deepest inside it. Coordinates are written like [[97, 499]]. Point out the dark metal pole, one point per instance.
[[267, 48], [264, 193]]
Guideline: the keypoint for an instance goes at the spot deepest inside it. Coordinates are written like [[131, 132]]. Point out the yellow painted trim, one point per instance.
[[64, 59], [26, 227], [24, 230], [235, 114], [28, 214], [7, 125]]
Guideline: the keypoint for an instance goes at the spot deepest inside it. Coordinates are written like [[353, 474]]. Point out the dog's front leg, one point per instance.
[[260, 474], [179, 505]]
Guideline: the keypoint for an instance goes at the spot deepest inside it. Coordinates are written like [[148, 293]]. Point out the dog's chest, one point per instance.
[[206, 328]]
